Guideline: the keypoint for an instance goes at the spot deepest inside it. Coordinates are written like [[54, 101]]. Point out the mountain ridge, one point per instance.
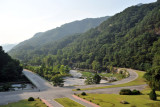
[[52, 35], [127, 39]]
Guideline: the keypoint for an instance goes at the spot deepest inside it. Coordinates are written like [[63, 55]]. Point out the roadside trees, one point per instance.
[[93, 80], [57, 80], [152, 76]]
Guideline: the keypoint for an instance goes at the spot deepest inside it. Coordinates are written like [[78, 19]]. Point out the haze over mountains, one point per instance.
[[127, 39], [42, 38], [8, 47]]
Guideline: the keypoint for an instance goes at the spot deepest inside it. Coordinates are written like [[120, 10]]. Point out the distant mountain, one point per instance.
[[52, 35], [8, 47], [140, 4], [49, 37]]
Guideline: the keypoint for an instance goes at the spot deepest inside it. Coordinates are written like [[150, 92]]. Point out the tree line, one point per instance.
[[10, 69]]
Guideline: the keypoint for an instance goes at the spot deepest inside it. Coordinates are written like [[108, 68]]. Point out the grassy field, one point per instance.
[[118, 76], [66, 102], [113, 100], [139, 81], [26, 103], [86, 74]]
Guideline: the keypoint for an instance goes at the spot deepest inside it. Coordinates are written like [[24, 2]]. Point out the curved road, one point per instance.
[[133, 76], [48, 92]]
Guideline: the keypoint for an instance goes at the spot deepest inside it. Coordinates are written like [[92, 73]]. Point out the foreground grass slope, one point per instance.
[[26, 103], [113, 100], [66, 102]]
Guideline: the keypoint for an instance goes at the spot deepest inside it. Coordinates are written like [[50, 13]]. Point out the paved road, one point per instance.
[[48, 92], [133, 76], [40, 83]]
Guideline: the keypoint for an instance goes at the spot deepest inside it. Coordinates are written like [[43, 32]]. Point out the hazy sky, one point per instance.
[[21, 19]]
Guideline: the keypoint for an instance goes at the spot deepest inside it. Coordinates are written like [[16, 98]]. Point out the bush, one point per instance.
[[30, 99], [96, 79], [153, 95], [136, 92], [78, 89], [125, 92], [6, 87], [129, 92], [83, 93]]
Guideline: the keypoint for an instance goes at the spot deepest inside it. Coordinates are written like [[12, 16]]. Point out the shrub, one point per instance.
[[78, 89], [129, 92], [83, 93], [96, 79], [30, 99], [153, 95], [125, 92], [136, 92], [6, 87]]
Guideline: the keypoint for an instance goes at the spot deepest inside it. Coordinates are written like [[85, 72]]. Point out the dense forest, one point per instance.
[[128, 39], [34, 45], [10, 69]]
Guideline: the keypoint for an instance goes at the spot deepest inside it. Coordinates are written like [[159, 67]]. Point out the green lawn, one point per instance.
[[66, 102], [113, 100], [86, 74], [26, 103], [139, 81], [118, 76]]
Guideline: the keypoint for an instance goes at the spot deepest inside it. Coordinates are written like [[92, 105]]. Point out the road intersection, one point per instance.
[[46, 91]]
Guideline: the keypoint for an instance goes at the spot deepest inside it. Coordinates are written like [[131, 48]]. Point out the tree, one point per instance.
[[10, 69], [89, 80], [153, 95], [95, 65], [152, 76], [96, 79], [57, 80], [6, 87], [93, 79]]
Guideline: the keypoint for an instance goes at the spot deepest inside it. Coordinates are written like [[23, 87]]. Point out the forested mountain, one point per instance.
[[49, 37], [8, 47], [128, 39], [10, 70]]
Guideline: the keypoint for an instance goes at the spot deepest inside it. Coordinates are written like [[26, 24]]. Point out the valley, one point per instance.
[[46, 91], [109, 61]]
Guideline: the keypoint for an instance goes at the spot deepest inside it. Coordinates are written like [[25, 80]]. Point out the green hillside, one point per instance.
[[128, 39], [10, 70], [36, 43]]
